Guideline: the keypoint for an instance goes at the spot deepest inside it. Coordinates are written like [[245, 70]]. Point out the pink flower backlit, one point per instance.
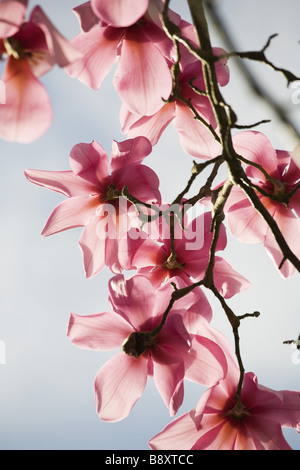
[[93, 187], [142, 77], [195, 137], [244, 221], [168, 356], [217, 423], [31, 51], [151, 255]]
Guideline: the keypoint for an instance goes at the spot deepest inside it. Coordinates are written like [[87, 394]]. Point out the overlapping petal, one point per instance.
[[136, 79], [119, 12]]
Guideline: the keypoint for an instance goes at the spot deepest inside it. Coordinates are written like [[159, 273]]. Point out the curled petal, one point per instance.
[[130, 151], [86, 16], [228, 281], [90, 162], [62, 51], [134, 299]]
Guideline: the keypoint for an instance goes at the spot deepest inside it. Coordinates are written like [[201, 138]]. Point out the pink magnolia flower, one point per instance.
[[195, 137], [142, 77], [169, 354], [152, 256], [94, 197], [244, 221], [217, 423], [120, 12], [31, 51]]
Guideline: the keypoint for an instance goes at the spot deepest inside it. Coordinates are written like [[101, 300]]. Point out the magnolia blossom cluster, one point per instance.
[[127, 226]]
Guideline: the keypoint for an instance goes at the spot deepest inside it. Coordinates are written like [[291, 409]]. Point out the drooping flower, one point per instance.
[[219, 422], [94, 197], [32, 49], [167, 353], [195, 135], [142, 77], [280, 177], [153, 256]]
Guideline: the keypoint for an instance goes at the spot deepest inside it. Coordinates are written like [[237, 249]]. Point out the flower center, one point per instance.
[[279, 187], [239, 411], [172, 263], [112, 192], [138, 342], [14, 48]]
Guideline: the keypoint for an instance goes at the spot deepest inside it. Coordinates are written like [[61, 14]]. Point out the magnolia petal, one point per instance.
[[206, 363], [90, 162], [99, 46], [119, 13], [257, 148], [262, 434], [133, 298], [72, 212], [62, 50], [143, 78], [118, 385], [12, 14], [228, 281], [101, 331], [63, 182], [92, 245], [27, 113], [180, 434], [288, 414], [142, 182], [130, 151], [245, 223], [149, 126], [289, 226], [137, 252], [86, 16], [196, 139], [168, 374]]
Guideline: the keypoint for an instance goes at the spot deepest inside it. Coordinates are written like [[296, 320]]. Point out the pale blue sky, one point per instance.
[[47, 397]]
